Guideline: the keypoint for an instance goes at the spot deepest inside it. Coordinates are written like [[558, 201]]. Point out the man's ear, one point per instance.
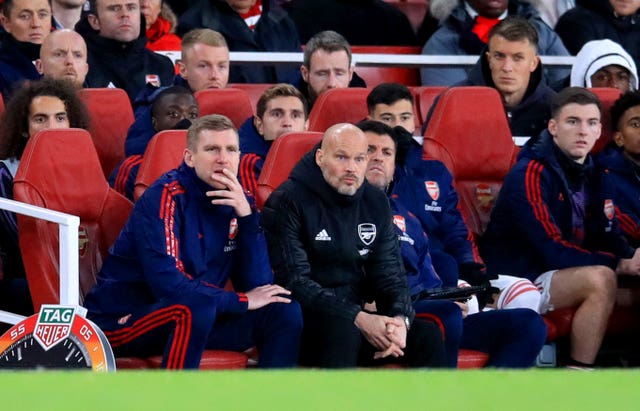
[[319, 155], [552, 126], [94, 22], [351, 71], [534, 64], [306, 125], [305, 73], [257, 122], [182, 69], [618, 138], [188, 157], [3, 21], [38, 64]]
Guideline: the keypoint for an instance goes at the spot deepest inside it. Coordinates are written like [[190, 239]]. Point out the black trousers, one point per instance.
[[335, 342]]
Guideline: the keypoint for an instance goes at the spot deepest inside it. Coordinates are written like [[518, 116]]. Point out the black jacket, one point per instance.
[[123, 65], [334, 251], [16, 63], [595, 20], [275, 31], [361, 22]]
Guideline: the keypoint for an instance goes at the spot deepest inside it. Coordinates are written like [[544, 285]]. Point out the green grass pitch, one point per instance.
[[393, 390]]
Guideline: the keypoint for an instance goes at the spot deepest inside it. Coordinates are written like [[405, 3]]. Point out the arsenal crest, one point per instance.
[[399, 222], [233, 228], [83, 240], [154, 79], [484, 195], [609, 210], [432, 189], [367, 233]]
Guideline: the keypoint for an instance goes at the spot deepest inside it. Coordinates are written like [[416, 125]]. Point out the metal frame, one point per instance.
[[385, 60], [68, 249]]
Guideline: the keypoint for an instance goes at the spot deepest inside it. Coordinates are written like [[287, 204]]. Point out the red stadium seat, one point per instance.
[[74, 186], [340, 105], [283, 155], [253, 90], [607, 96], [477, 149], [373, 75], [111, 116], [164, 152], [425, 97], [468, 359], [1, 106], [231, 102]]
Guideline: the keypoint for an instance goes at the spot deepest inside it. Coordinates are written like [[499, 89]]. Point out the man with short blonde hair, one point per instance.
[[205, 60]]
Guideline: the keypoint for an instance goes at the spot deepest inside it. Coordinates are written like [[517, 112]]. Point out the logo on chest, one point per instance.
[[367, 233], [609, 209], [233, 228], [433, 189]]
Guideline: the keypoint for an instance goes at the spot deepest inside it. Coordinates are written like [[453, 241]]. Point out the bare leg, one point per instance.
[[592, 289]]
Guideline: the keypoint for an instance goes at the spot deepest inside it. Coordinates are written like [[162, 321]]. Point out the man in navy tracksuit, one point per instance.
[[555, 223], [161, 290], [281, 109], [512, 338], [621, 160]]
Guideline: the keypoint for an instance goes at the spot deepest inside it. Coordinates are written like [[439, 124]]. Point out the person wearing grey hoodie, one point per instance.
[[464, 31]]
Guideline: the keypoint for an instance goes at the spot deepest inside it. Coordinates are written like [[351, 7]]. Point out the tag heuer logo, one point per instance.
[[433, 189], [367, 232], [54, 325]]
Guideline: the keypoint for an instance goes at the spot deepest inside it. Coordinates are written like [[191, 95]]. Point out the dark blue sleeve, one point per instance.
[[251, 261], [157, 235], [528, 192]]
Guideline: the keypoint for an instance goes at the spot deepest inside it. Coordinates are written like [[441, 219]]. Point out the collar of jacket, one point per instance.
[[11, 46], [104, 45]]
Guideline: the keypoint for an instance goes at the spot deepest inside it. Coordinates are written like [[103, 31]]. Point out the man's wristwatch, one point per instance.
[[407, 322]]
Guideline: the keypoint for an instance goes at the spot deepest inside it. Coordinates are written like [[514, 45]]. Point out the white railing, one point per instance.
[[384, 60], [68, 249]]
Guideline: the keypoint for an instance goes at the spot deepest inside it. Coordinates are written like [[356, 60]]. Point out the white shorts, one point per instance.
[[543, 282]]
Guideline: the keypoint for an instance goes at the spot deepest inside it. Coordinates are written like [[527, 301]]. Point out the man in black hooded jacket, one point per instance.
[[332, 244], [117, 53]]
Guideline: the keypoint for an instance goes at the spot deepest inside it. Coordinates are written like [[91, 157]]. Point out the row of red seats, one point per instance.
[[334, 106], [79, 186], [111, 114]]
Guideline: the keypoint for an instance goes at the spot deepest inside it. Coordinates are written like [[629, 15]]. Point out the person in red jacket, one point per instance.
[[160, 25]]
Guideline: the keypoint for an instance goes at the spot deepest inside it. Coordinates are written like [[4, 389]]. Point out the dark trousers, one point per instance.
[[183, 328], [448, 316], [335, 342], [512, 338]]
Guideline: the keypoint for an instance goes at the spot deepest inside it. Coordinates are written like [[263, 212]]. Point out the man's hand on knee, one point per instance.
[[374, 328], [267, 294], [629, 266]]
